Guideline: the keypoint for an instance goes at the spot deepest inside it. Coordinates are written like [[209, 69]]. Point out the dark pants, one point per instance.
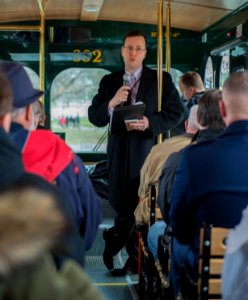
[[123, 233], [183, 260]]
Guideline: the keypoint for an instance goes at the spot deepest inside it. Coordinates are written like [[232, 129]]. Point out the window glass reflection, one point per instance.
[[209, 75], [224, 68], [72, 92]]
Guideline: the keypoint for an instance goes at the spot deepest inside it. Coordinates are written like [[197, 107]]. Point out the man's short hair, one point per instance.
[[133, 33], [192, 79], [208, 110], [5, 95]]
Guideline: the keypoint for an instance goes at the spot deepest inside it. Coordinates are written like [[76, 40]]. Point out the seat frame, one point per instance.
[[153, 273], [212, 250]]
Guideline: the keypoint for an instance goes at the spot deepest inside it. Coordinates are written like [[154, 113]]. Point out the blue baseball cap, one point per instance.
[[23, 91]]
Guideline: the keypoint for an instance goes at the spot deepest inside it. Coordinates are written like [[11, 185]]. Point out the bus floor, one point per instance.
[[112, 288]]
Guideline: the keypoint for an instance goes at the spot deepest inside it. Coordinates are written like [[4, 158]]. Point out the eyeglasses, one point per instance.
[[131, 49]]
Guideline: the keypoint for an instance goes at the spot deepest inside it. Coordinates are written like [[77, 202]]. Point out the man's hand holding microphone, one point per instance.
[[121, 95]]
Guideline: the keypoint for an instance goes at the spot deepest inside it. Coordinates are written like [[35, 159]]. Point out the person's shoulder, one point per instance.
[[152, 73], [174, 143], [148, 73], [180, 138], [166, 75], [202, 148], [174, 156], [195, 99], [172, 161], [159, 146]]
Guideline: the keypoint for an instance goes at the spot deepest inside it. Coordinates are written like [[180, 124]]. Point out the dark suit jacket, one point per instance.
[[211, 183], [127, 151], [168, 172]]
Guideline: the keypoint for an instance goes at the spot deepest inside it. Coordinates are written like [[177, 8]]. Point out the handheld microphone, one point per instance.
[[126, 79]]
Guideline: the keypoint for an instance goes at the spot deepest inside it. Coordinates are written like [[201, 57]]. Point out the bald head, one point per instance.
[[235, 98]]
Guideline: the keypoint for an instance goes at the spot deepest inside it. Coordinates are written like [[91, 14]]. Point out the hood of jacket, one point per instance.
[[30, 223], [43, 152]]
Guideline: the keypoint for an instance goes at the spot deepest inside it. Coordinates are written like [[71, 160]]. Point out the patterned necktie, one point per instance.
[[133, 91]]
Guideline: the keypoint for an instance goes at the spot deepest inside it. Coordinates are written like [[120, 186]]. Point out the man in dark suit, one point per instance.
[[211, 183], [128, 149]]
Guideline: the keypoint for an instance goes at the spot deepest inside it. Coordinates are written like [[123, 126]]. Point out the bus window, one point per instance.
[[71, 94], [224, 68], [209, 75], [176, 74]]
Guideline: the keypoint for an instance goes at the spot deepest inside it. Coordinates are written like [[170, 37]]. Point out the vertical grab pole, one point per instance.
[[42, 47], [168, 36], [168, 40], [160, 60]]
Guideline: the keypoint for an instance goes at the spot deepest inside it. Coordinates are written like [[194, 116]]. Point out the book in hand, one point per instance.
[[131, 121], [122, 114]]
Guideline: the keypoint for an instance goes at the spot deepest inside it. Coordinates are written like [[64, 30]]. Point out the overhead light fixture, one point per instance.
[[91, 6]]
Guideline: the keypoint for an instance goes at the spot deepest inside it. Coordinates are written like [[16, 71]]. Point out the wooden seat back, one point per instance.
[[212, 250]]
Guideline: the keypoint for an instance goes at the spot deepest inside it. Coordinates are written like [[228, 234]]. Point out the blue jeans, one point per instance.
[[154, 232]]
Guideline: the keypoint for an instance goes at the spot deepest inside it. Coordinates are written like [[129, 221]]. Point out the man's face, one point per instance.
[[133, 53], [187, 92]]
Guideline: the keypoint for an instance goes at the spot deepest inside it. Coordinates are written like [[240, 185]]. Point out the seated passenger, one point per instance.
[[211, 125], [12, 174], [152, 166], [211, 183], [235, 268], [31, 226], [45, 154], [192, 88]]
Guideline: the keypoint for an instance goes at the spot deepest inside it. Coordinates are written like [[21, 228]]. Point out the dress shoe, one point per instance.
[[108, 258]]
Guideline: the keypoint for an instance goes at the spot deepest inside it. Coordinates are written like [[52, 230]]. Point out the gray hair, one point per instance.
[[16, 112], [36, 107]]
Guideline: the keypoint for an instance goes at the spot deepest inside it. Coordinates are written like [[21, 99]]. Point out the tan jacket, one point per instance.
[[151, 171]]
